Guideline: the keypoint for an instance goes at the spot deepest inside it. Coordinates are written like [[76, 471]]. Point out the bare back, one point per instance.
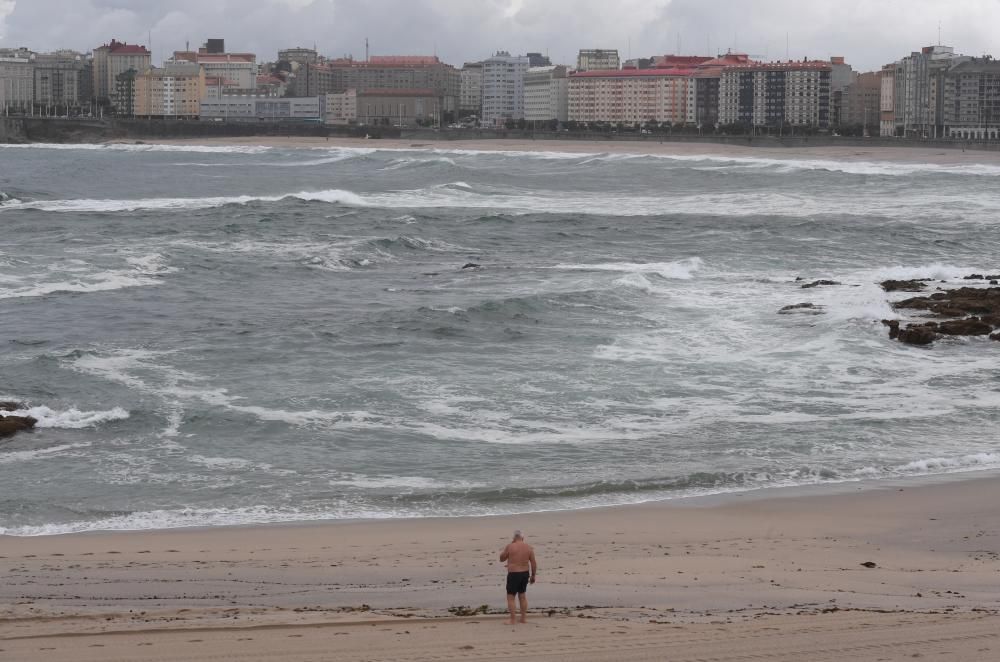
[[519, 555]]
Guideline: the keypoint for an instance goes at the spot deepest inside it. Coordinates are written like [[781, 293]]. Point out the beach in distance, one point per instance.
[[893, 570]]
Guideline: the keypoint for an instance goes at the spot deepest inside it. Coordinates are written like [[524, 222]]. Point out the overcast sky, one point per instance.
[[868, 32]]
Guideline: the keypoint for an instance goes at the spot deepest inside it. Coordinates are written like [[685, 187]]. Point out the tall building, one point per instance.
[[887, 101], [236, 72], [113, 59], [860, 101], [471, 95], [173, 91], [776, 94], [298, 54], [703, 112], [503, 88], [971, 105], [61, 79], [918, 98], [538, 60], [597, 59], [630, 96], [17, 80], [546, 94]]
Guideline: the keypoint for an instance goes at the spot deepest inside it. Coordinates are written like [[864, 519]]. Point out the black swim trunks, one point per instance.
[[517, 582]]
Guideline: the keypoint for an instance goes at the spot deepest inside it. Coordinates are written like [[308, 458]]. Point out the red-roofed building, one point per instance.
[[114, 59], [679, 89]]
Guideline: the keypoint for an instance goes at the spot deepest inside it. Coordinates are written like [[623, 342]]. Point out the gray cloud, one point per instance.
[[868, 33]]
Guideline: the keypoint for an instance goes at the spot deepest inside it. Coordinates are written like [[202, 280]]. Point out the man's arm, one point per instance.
[[534, 566], [504, 554]]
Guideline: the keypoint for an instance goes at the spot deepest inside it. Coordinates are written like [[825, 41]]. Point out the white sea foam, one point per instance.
[[14, 457], [126, 147], [930, 204], [72, 418], [95, 282], [153, 264], [680, 270]]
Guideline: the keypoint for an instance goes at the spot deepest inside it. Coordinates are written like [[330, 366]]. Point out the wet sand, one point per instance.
[[774, 574]]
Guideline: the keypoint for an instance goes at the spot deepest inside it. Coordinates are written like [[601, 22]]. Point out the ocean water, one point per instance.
[[226, 335]]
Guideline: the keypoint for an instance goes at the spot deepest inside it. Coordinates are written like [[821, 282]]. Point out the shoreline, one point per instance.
[[901, 154], [739, 563]]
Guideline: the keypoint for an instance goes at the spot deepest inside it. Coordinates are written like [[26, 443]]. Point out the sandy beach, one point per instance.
[[760, 149], [777, 574]]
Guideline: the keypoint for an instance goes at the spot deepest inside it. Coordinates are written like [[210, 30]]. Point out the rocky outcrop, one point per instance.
[[803, 308], [817, 283], [904, 285], [964, 311], [10, 405], [10, 425]]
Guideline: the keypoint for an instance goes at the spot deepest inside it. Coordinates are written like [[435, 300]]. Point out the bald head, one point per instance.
[[518, 535]]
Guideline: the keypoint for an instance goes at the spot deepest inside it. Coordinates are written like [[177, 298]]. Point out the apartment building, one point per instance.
[[971, 108], [887, 101], [598, 59], [171, 92], [471, 94], [503, 88], [776, 94], [546, 94], [298, 54], [237, 72], [62, 79], [17, 80], [631, 96], [860, 101], [342, 107], [112, 60], [918, 97], [407, 72]]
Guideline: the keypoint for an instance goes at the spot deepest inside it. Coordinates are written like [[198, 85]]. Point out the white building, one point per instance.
[[503, 88], [471, 95], [17, 80], [919, 94], [244, 108], [342, 107], [234, 71], [546, 91], [592, 59]]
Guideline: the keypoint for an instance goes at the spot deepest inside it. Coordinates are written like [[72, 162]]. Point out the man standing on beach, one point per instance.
[[521, 570]]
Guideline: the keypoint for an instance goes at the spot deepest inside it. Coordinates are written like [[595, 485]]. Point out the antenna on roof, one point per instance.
[[366, 49], [939, 33]]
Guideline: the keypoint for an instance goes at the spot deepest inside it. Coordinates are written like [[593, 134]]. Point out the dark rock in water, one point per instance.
[[807, 308], [10, 425], [799, 279], [966, 311], [916, 335], [995, 282], [970, 326], [974, 277], [995, 336], [992, 277], [470, 265], [10, 405], [870, 564], [893, 328], [904, 285], [817, 283]]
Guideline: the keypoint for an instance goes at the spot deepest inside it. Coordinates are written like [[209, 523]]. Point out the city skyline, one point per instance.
[[768, 29]]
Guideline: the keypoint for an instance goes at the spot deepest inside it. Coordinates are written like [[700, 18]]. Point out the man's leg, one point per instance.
[[510, 608], [524, 607]]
